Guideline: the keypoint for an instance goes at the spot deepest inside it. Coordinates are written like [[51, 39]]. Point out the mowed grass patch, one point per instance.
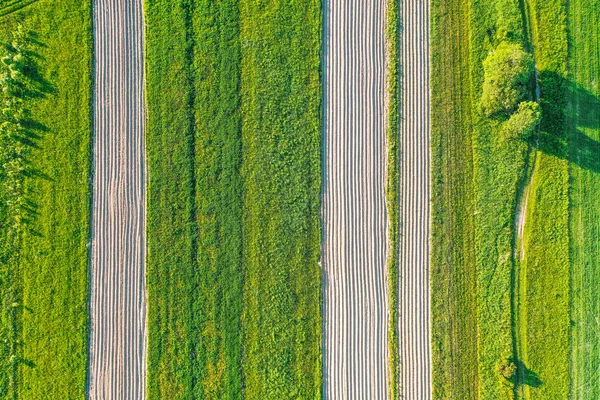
[[584, 169], [194, 210], [281, 135], [51, 269], [453, 274]]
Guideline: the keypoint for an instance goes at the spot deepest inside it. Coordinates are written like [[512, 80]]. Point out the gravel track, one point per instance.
[[414, 307], [118, 300], [356, 313]]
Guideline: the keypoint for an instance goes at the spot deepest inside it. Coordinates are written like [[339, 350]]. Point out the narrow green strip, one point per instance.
[[50, 267], [194, 202], [453, 275], [281, 134], [393, 189], [584, 169]]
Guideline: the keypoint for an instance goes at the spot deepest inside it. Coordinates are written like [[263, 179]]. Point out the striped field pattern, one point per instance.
[[356, 309], [118, 300], [414, 306]]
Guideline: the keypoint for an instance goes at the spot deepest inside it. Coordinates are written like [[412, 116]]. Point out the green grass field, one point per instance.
[[281, 136], [453, 286], [233, 217], [522, 306], [583, 118], [194, 206], [499, 167], [49, 265], [545, 271]]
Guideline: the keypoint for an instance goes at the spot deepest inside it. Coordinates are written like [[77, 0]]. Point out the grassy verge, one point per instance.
[[51, 265], [194, 213], [584, 169], [393, 188], [281, 137], [546, 265], [453, 275]]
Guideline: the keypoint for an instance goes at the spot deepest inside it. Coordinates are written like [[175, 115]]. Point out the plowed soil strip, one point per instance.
[[354, 209], [118, 305], [414, 313]]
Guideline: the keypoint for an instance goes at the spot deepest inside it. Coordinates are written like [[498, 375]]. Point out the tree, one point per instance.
[[507, 73], [507, 369], [522, 124]]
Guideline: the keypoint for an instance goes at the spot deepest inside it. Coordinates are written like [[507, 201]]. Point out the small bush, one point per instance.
[[507, 369]]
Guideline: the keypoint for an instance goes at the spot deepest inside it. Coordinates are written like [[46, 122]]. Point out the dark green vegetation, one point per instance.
[[532, 314], [45, 127], [393, 190], [10, 6], [233, 199]]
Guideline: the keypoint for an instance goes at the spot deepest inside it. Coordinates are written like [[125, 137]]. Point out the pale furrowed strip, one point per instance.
[[414, 300], [118, 301], [356, 312]]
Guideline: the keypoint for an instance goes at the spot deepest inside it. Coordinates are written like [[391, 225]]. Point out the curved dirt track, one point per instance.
[[118, 302], [356, 313], [414, 307]]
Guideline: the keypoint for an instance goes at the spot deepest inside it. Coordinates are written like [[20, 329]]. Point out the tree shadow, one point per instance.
[[559, 134], [526, 377], [34, 85]]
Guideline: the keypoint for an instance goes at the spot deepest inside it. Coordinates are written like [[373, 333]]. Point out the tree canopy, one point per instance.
[[507, 73]]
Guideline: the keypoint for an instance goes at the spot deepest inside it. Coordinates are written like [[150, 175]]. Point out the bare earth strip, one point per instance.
[[356, 313], [414, 311], [118, 302]]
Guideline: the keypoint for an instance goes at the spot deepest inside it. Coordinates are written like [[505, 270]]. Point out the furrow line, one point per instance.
[[356, 309], [117, 294], [414, 300]]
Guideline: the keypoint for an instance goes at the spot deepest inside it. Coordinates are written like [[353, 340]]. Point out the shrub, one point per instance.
[[522, 124], [507, 369], [507, 71]]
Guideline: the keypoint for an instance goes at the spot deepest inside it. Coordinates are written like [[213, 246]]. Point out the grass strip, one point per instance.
[[281, 135], [222, 247], [546, 235], [499, 167], [584, 169], [194, 213], [453, 274], [393, 187], [52, 257]]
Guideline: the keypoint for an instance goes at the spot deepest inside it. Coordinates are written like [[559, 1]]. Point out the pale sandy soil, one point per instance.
[[356, 313], [118, 302], [414, 300]]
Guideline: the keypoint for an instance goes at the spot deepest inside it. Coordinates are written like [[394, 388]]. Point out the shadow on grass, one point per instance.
[[28, 133], [526, 377], [559, 134]]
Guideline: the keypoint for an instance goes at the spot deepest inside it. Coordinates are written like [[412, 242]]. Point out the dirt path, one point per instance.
[[414, 307], [354, 205], [118, 302]]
